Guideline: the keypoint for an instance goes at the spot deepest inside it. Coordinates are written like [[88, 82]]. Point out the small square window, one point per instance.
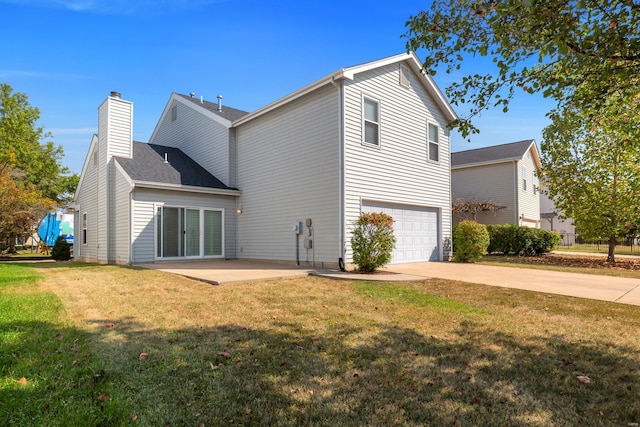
[[433, 142], [371, 121]]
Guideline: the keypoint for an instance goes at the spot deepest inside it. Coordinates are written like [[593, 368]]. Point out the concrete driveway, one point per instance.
[[606, 288], [231, 271]]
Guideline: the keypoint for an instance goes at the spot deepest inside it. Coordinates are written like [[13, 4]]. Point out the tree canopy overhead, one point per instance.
[[550, 46]]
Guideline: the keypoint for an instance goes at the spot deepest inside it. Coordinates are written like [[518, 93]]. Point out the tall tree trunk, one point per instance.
[[612, 248]]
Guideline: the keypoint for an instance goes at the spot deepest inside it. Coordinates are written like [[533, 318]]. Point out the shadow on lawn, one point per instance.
[[286, 375]]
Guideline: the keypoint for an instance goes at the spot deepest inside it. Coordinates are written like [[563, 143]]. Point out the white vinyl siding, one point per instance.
[[145, 202], [86, 199], [289, 171], [399, 172], [529, 201], [493, 183], [199, 136], [119, 244]]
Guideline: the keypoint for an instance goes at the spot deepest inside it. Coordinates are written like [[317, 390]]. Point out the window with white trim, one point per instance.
[[524, 178], [535, 183], [370, 121], [84, 228], [174, 113], [433, 142]]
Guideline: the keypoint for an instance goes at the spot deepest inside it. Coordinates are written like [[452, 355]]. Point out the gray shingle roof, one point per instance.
[[231, 114], [514, 150], [148, 165]]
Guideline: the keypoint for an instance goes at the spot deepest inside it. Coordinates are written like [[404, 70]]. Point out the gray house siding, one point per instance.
[[198, 135], [119, 215], [289, 172], [144, 203], [494, 183], [86, 201], [397, 171]]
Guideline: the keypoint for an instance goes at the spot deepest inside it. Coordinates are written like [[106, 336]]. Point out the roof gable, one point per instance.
[[495, 154], [349, 73], [148, 165], [228, 113]]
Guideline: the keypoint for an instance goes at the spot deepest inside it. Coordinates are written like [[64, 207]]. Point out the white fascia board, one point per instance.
[[92, 146], [186, 188], [488, 163], [124, 174], [177, 98], [536, 155]]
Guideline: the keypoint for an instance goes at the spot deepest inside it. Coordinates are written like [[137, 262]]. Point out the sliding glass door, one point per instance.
[[189, 232]]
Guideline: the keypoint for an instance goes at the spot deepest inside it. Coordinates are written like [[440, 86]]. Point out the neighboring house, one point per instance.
[[504, 175], [550, 221], [285, 182]]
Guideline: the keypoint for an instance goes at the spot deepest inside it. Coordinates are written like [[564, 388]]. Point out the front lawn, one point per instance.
[[137, 347]]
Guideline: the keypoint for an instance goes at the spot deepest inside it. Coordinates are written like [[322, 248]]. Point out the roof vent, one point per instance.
[[219, 103], [115, 94], [192, 95], [166, 158]]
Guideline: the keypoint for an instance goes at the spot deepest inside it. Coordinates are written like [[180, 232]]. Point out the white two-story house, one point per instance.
[[283, 183]]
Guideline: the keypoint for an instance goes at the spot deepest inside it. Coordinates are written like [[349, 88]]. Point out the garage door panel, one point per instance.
[[415, 228]]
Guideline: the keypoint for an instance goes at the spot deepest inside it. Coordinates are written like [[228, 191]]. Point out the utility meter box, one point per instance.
[[308, 243], [297, 227]]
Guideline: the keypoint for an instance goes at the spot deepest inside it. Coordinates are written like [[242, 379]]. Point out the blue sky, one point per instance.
[[68, 55]]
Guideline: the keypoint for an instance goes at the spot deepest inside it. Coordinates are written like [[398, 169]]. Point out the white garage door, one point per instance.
[[415, 228]]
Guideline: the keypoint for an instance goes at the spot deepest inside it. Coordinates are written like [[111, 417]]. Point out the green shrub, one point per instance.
[[372, 241], [61, 250], [470, 241], [511, 239]]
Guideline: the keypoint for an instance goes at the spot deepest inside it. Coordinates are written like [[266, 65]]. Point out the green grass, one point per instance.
[[48, 375], [308, 351]]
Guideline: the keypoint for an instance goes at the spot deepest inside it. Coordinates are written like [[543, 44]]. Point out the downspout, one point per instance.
[[516, 203], [131, 259], [341, 179]]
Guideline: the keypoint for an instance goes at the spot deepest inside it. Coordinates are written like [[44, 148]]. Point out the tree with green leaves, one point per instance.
[[591, 168], [552, 46], [30, 168]]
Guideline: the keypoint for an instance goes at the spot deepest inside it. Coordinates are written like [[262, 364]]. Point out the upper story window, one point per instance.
[[370, 121], [535, 183], [433, 142], [524, 178], [174, 113]]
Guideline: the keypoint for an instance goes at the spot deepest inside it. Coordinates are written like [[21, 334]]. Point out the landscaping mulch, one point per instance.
[[586, 261]]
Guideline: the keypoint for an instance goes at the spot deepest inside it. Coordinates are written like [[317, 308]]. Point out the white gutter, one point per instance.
[[339, 83], [187, 188]]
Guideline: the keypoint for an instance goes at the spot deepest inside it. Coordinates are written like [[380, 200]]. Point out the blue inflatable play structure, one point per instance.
[[56, 224]]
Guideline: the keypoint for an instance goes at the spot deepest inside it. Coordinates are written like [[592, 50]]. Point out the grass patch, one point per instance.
[[600, 249], [401, 294], [48, 375], [313, 351]]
